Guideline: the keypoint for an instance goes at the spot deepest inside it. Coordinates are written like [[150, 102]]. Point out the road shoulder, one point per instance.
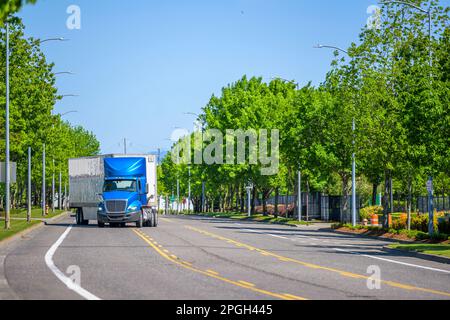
[[9, 244]]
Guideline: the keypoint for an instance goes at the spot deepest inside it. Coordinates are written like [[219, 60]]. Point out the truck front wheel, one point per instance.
[[140, 222]]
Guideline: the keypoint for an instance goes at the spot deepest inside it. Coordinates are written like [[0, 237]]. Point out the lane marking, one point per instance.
[[394, 261], [352, 252], [60, 275], [215, 276], [313, 266], [279, 237]]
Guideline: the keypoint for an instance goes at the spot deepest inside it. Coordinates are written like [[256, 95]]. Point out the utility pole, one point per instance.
[[125, 146], [43, 183], [29, 186], [7, 162]]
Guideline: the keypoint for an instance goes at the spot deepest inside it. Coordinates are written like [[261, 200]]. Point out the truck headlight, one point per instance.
[[132, 209]]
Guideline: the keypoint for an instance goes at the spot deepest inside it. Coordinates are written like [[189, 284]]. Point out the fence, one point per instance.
[[317, 206], [439, 203]]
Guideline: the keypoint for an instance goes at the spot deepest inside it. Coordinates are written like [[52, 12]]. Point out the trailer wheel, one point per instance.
[[80, 218], [154, 219]]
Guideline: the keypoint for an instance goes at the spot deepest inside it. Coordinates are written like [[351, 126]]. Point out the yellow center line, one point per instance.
[[314, 266], [215, 276], [290, 296], [248, 284], [212, 272]]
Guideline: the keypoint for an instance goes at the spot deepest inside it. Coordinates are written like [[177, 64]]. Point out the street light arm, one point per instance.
[[407, 4], [64, 72], [319, 46], [68, 112], [53, 39]]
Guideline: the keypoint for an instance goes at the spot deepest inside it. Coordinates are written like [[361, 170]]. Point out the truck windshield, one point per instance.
[[120, 186]]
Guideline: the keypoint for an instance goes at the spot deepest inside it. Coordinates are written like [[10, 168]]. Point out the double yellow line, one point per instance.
[[314, 266], [210, 273]]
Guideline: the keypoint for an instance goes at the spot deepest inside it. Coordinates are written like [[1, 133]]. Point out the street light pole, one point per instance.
[[300, 204], [354, 177], [249, 198], [60, 191], [178, 196], [29, 187], [53, 187], [189, 190], [43, 183], [7, 162], [319, 46]]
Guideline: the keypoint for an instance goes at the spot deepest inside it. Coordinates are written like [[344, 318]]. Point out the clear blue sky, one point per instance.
[[140, 65]]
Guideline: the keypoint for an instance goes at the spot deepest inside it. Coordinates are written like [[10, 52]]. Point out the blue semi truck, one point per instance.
[[114, 190]]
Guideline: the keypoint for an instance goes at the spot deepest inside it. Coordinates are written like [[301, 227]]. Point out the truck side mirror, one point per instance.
[[146, 188]]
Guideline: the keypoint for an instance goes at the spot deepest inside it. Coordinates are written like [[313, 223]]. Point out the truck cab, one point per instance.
[[126, 197]]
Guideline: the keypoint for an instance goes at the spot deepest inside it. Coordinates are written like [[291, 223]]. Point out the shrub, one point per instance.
[[444, 225], [400, 223], [369, 212]]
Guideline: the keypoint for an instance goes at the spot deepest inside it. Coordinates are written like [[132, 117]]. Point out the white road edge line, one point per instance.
[[60, 275], [394, 261]]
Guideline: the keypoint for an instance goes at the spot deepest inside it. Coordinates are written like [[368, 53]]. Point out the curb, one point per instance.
[[254, 221], [31, 229], [424, 256]]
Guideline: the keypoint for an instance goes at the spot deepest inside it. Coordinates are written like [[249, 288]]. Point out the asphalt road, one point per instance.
[[211, 259]]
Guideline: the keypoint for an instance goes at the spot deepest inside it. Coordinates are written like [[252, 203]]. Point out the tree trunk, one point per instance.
[[277, 195], [409, 203], [242, 204], [374, 193], [386, 200], [255, 194]]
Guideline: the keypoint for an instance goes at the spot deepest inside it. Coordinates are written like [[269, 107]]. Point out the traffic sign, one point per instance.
[[430, 185]]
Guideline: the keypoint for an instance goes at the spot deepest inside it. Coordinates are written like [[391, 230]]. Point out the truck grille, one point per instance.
[[116, 206]]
